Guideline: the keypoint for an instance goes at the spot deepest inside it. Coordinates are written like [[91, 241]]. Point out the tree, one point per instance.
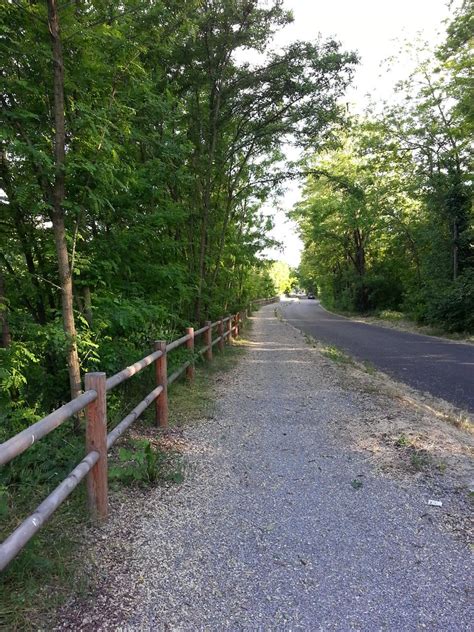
[[57, 194], [387, 217], [238, 116], [282, 277]]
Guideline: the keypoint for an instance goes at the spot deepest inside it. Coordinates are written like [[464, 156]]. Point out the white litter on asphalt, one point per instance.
[[435, 503]]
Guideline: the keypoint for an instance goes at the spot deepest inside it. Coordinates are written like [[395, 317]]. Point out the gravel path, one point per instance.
[[269, 530]]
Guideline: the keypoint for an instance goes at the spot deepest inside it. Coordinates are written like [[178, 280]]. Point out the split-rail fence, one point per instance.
[[94, 401]]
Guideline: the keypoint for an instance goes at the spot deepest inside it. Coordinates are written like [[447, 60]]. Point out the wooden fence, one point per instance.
[[98, 442]]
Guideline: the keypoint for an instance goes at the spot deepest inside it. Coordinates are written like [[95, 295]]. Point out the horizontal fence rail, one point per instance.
[[24, 439], [98, 441]]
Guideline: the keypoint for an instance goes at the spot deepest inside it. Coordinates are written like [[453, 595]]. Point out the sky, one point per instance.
[[375, 29]]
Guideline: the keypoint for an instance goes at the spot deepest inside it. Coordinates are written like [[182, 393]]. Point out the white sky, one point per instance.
[[375, 29]]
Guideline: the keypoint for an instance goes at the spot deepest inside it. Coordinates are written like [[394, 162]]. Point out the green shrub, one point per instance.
[[142, 464], [452, 307]]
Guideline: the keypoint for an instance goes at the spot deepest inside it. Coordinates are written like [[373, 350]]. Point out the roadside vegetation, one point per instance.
[[387, 217], [402, 321]]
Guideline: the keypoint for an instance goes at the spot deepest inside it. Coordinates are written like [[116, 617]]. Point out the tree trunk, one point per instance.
[[455, 248], [58, 194], [86, 295], [363, 296], [6, 338]]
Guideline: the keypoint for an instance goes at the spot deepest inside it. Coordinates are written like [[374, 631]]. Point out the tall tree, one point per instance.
[[57, 200]]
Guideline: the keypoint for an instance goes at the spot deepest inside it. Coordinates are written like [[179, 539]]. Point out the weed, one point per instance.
[[369, 367], [335, 354], [391, 315], [357, 483], [419, 460], [142, 464], [403, 441]]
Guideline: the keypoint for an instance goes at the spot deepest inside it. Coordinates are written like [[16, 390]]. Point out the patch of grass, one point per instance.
[[403, 441], [357, 483], [369, 367], [419, 460], [39, 580], [335, 354], [195, 400], [441, 467]]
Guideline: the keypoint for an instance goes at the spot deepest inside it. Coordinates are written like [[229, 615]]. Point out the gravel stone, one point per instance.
[[269, 530]]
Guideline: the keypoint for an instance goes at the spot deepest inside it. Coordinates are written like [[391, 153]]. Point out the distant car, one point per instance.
[[310, 295]]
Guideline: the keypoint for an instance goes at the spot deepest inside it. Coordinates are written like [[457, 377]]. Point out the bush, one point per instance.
[[452, 307], [374, 291], [383, 291]]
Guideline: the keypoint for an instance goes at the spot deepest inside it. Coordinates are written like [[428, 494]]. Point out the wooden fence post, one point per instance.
[[220, 333], [190, 347], [96, 439], [208, 339], [229, 329], [161, 372], [236, 322]]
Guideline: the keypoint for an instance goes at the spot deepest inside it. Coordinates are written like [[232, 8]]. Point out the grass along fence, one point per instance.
[[97, 440]]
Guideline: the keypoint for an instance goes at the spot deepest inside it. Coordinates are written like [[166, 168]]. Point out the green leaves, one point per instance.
[[143, 464], [171, 149], [386, 216]]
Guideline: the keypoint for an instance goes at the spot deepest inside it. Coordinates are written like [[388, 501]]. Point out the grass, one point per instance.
[[192, 401], [335, 354], [357, 483], [402, 321], [369, 367], [403, 441], [420, 460], [39, 579], [49, 569]]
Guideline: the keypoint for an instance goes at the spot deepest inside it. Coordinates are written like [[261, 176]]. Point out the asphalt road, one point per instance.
[[440, 367]]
